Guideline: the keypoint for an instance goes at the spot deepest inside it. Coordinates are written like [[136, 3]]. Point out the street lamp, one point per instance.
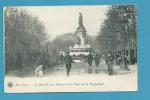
[[45, 52]]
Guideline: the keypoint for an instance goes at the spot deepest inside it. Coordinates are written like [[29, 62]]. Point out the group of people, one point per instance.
[[97, 59], [67, 59]]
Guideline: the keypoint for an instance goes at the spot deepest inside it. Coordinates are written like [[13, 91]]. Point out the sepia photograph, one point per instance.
[[86, 48]]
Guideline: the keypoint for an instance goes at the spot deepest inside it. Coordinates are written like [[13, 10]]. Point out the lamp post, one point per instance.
[[45, 51]]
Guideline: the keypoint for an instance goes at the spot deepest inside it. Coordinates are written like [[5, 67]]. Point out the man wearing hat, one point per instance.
[[68, 61]]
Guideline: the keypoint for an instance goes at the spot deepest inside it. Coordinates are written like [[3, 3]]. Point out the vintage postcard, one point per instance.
[[70, 48]]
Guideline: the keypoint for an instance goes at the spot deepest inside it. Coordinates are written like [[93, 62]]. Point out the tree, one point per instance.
[[118, 31], [23, 35]]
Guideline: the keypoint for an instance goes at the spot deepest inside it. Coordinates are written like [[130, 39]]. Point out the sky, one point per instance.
[[64, 19]]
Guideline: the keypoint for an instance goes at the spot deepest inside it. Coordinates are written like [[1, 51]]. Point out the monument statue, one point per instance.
[[80, 20], [79, 51]]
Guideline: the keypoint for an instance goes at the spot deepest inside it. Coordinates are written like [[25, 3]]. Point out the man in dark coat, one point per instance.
[[97, 59], [90, 58], [100, 56], [68, 61], [119, 59], [109, 63], [61, 58]]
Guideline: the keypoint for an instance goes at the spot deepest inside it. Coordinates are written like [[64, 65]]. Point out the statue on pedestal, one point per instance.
[[80, 20]]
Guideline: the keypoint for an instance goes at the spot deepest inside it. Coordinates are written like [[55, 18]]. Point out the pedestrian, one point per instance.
[[109, 63], [61, 58], [100, 56], [44, 68], [90, 58], [97, 59], [68, 61], [39, 71], [119, 59]]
